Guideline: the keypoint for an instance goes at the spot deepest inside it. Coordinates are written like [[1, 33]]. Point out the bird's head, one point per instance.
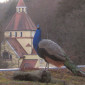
[[38, 26], [38, 32], [37, 38]]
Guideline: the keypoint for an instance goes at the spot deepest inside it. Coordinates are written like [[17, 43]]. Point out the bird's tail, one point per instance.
[[73, 68]]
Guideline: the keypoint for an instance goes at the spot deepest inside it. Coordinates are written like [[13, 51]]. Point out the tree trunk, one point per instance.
[[37, 76]]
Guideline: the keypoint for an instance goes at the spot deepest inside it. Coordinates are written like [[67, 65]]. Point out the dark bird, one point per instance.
[[52, 53]]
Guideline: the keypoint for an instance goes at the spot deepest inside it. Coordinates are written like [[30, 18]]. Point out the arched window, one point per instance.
[[7, 55], [22, 9], [10, 34], [10, 57], [15, 34], [20, 34], [19, 9]]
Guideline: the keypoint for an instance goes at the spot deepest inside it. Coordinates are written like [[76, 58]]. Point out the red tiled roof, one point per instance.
[[33, 52], [17, 47], [20, 22], [20, 3], [28, 64]]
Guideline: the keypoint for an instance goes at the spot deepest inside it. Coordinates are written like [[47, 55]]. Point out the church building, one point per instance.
[[17, 47]]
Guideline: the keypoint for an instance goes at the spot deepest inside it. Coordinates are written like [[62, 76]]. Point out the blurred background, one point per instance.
[[62, 21]]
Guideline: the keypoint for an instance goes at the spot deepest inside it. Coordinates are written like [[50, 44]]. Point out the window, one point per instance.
[[7, 55], [15, 34], [20, 34], [19, 9], [10, 57], [22, 9], [10, 34]]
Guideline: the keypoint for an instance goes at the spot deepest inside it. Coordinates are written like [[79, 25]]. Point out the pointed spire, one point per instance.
[[21, 21], [21, 7], [21, 3]]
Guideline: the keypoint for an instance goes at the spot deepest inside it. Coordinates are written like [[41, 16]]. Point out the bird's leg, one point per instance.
[[46, 76], [47, 66]]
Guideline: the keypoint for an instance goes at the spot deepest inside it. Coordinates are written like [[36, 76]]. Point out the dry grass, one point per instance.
[[6, 78]]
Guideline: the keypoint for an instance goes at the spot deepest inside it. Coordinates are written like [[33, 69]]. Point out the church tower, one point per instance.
[[21, 7], [18, 48]]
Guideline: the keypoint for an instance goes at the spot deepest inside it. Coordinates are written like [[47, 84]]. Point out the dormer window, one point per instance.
[[19, 9]]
